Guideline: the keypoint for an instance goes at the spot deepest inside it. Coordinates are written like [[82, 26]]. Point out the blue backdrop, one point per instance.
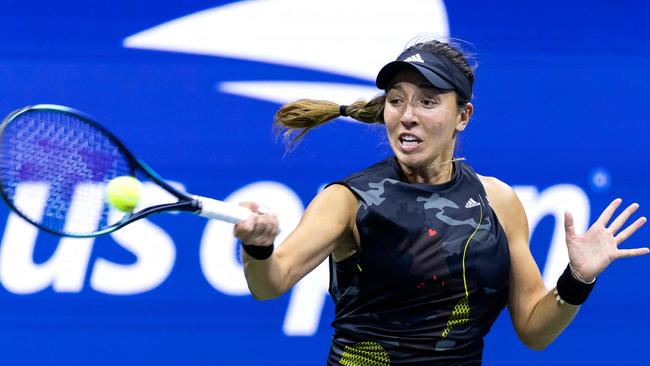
[[191, 88]]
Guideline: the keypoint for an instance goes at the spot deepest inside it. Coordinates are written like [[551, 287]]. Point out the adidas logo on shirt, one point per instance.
[[415, 58], [471, 203]]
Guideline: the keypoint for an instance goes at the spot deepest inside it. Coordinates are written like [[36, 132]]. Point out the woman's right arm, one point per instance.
[[327, 224]]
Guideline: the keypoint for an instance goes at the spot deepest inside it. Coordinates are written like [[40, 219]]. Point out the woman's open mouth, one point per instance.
[[409, 142]]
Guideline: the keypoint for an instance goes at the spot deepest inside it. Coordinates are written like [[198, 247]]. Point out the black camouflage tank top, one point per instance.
[[430, 278]]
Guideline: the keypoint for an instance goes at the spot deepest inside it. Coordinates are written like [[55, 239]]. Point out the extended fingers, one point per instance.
[[608, 212], [620, 219], [626, 253], [623, 235], [569, 227]]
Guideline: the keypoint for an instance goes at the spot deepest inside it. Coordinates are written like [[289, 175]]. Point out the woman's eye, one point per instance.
[[395, 101], [427, 102]]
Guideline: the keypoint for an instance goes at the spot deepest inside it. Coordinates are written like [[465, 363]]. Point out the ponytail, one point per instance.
[[295, 119]]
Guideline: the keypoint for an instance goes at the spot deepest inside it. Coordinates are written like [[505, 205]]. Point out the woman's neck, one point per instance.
[[437, 172]]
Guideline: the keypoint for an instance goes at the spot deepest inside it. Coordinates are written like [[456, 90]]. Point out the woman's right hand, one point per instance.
[[260, 228], [325, 225]]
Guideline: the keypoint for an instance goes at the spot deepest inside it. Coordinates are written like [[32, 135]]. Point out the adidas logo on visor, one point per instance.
[[415, 58]]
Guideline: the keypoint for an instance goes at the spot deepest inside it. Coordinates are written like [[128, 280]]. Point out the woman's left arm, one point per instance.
[[538, 318]]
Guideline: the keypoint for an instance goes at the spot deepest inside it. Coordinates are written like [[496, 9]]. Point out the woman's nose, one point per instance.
[[409, 117]]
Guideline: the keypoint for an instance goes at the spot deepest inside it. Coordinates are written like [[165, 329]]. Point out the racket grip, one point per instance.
[[224, 211]]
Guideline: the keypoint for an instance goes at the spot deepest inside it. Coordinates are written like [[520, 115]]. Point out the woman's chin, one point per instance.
[[411, 161]]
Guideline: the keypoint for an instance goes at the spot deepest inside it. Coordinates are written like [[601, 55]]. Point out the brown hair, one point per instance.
[[293, 120]]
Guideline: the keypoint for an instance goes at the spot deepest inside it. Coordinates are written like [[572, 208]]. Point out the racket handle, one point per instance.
[[224, 211]]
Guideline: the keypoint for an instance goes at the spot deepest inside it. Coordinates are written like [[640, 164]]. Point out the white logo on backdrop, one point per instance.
[[349, 38], [322, 38]]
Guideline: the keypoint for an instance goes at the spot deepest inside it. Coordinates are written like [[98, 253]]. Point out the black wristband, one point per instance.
[[572, 290], [258, 251]]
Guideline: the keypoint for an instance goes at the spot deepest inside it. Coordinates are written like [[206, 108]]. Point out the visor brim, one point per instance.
[[391, 69]]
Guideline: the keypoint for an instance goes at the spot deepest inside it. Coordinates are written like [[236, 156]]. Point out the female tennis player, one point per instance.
[[424, 252]]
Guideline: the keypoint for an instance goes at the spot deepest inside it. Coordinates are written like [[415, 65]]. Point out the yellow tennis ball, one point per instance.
[[123, 193]]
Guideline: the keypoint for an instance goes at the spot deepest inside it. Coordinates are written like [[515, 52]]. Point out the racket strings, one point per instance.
[[54, 169]]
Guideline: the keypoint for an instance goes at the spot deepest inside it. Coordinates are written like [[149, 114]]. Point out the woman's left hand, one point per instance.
[[591, 252]]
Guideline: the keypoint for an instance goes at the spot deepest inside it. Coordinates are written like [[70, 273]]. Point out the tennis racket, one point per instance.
[[55, 163]]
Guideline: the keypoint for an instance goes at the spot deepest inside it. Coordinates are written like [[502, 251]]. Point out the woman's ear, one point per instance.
[[465, 115]]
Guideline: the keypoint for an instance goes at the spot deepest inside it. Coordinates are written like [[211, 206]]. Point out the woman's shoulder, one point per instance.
[[504, 201], [495, 187]]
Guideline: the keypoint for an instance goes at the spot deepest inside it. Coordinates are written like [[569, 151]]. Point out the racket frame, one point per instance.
[[185, 203]]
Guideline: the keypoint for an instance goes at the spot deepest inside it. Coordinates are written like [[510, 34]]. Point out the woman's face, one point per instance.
[[421, 120]]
